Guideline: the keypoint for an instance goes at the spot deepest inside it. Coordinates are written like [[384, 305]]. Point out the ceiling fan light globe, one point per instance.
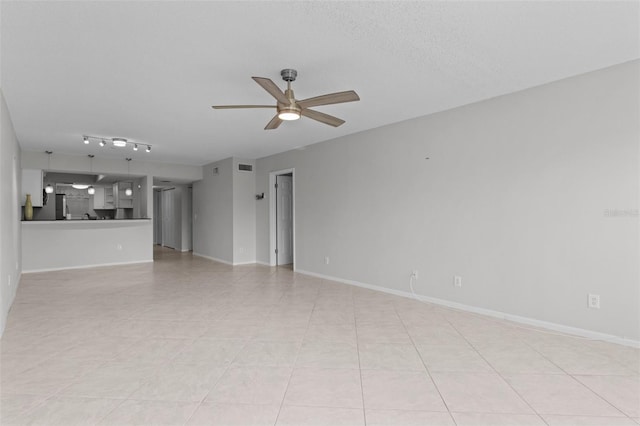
[[288, 116]]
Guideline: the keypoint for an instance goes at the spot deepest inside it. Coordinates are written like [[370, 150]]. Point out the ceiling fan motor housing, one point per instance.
[[289, 74]]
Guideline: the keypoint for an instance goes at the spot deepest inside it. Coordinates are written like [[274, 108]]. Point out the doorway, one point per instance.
[[157, 217], [168, 226], [282, 218]]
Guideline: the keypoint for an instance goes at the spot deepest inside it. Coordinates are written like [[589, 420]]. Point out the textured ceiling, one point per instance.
[[149, 71]]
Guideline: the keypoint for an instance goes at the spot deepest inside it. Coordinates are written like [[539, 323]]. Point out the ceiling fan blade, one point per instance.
[[332, 98], [272, 88], [322, 117], [241, 106], [274, 123]]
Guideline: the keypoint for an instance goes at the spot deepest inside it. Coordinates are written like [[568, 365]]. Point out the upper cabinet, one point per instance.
[[103, 198], [124, 200], [32, 184]]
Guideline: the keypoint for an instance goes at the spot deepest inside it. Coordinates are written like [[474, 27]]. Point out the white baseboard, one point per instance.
[[259, 262], [96, 265], [594, 335], [226, 262], [215, 259], [249, 262]]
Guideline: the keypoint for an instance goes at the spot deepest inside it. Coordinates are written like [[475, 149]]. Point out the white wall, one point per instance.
[[244, 213], [213, 212], [10, 213], [513, 198]]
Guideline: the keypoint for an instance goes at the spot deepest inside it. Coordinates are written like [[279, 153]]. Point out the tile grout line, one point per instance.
[[295, 361], [355, 326], [496, 371], [576, 380], [415, 348]]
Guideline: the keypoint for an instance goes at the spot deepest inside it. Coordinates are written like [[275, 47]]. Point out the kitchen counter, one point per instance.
[[67, 244], [84, 221]]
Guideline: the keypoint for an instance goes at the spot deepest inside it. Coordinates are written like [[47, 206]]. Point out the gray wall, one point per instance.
[[10, 213], [514, 198], [224, 212], [213, 212], [186, 230], [65, 244], [244, 213]]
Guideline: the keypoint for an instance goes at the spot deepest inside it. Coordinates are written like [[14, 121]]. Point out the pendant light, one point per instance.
[[91, 190], [128, 192], [49, 188]]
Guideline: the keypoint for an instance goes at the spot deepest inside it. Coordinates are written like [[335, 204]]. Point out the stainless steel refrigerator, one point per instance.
[[61, 206]]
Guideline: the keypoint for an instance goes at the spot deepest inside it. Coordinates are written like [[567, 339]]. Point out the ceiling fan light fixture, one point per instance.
[[288, 116], [288, 112]]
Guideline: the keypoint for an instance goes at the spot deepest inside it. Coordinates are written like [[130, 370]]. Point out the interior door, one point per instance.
[[157, 217], [168, 227], [284, 219]]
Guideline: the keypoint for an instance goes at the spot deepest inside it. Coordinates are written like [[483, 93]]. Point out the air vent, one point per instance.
[[245, 167]]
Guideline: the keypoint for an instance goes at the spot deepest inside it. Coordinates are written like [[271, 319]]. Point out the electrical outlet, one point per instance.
[[119, 246], [457, 281], [326, 260], [414, 274], [594, 301]]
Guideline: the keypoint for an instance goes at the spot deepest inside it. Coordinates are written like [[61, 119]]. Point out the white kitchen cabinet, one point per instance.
[[103, 198], [98, 198], [32, 184], [109, 202]]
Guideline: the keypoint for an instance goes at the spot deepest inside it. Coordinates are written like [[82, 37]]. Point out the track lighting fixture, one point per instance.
[[119, 142], [116, 142]]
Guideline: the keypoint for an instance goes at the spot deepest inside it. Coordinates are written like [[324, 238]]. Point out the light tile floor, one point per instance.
[[189, 341]]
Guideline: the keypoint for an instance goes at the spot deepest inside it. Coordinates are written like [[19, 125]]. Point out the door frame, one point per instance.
[[273, 238]]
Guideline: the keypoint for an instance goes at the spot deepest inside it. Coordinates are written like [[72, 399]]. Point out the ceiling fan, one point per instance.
[[289, 108]]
